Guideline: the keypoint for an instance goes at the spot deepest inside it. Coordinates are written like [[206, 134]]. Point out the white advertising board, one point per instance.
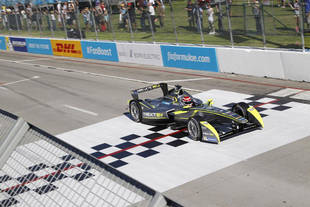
[[296, 65], [148, 54], [250, 62]]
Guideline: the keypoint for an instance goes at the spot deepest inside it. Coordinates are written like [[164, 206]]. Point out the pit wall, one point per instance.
[[260, 63]]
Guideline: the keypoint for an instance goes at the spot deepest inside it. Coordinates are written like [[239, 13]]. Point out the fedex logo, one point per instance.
[[66, 48]]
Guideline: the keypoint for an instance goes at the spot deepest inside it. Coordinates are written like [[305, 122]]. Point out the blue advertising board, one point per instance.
[[39, 46], [18, 44], [2, 43], [99, 50], [197, 58]]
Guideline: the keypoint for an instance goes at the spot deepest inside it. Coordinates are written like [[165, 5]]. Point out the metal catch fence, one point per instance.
[[254, 23], [38, 169]]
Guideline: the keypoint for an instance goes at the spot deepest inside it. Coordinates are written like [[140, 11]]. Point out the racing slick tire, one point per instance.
[[194, 129], [135, 111], [241, 109]]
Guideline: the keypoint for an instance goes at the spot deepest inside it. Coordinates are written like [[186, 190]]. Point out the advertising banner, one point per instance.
[[2, 43], [99, 50], [68, 48], [139, 53], [18, 44], [39, 46], [197, 58], [8, 44]]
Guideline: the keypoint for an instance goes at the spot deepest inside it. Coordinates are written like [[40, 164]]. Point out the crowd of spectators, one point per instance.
[[134, 15]]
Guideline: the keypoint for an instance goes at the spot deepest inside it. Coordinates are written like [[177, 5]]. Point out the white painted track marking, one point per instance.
[[23, 80], [81, 110], [94, 74], [29, 60], [175, 166]]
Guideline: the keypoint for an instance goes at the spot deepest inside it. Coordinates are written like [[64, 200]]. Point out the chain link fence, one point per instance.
[[264, 23], [38, 169]]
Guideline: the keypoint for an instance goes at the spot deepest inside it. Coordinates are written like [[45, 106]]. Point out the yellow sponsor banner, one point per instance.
[[8, 44], [67, 48]]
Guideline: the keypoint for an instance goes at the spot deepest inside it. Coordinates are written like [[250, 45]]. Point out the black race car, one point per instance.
[[178, 109]]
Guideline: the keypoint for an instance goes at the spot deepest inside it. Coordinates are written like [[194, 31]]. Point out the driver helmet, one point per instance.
[[187, 101]]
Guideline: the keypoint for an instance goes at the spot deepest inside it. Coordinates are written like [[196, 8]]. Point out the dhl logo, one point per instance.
[[66, 48]]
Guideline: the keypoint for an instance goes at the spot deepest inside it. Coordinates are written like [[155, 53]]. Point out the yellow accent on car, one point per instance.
[[257, 116], [144, 105], [211, 128], [180, 112], [210, 102]]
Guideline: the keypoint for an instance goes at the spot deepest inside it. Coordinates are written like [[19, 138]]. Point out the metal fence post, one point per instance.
[[245, 22], [261, 13], [110, 26], [173, 22], [229, 24], [129, 22], [10, 142], [301, 22]]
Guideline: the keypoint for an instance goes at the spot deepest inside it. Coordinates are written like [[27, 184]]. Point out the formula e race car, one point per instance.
[[178, 109]]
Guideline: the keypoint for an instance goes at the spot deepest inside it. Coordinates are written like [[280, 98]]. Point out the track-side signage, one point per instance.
[[18, 44], [197, 58], [139, 53], [99, 50], [39, 46], [2, 43], [67, 48]]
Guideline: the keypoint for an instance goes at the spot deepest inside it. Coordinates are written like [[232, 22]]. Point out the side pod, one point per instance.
[[209, 133], [255, 117]]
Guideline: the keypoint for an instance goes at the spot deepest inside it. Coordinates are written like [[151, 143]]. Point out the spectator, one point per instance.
[[229, 4], [123, 15], [132, 16], [142, 6], [29, 14], [256, 13], [190, 16], [151, 11], [53, 20], [86, 17], [296, 9], [210, 13], [307, 12], [160, 8], [198, 12], [219, 17]]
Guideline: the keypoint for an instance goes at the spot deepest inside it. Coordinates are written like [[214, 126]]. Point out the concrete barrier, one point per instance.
[[261, 63]]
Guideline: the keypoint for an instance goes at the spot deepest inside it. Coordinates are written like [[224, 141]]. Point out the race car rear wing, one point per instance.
[[163, 86]]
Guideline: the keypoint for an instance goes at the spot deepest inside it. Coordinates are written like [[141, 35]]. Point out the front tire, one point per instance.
[[194, 129], [135, 111], [241, 109]]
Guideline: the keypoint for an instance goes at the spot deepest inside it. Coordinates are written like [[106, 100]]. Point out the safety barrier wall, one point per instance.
[[256, 62], [38, 169], [265, 63]]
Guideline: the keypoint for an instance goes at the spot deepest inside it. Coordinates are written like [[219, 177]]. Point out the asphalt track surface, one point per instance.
[[61, 94]]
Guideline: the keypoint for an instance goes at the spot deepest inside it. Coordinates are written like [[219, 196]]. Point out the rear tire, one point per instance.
[[194, 129], [135, 111]]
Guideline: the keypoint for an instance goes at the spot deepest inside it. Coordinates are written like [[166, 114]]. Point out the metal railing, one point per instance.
[[38, 169], [261, 23]]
